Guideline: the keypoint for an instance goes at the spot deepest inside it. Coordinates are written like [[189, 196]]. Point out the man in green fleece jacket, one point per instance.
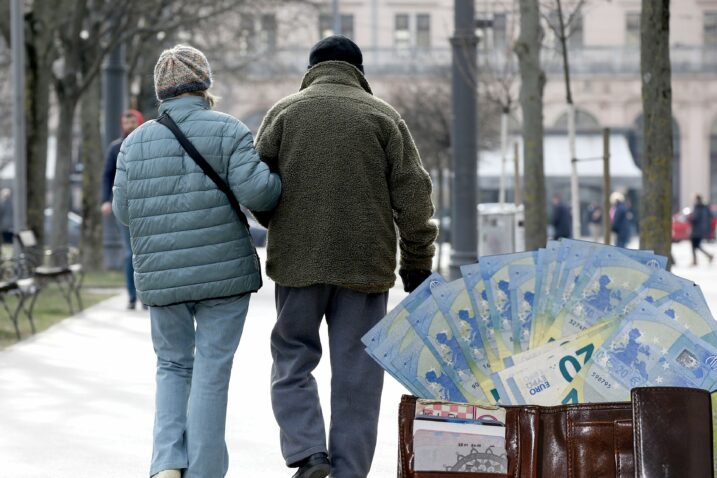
[[353, 186]]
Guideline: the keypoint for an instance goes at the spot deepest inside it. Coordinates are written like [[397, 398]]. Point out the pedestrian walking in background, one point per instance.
[[195, 264], [561, 219], [701, 222], [131, 120], [620, 219], [352, 178], [595, 222]]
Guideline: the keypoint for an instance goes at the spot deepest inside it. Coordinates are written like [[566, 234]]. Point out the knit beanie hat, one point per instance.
[[181, 69], [336, 48]]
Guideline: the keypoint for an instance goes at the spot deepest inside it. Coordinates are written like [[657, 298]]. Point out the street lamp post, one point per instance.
[[464, 223], [17, 22], [336, 17], [114, 91]]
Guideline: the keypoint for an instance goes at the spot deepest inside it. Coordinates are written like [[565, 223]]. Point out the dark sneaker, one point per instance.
[[131, 305], [145, 307], [315, 466]]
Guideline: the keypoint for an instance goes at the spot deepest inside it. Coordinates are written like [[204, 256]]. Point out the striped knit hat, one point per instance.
[[181, 69]]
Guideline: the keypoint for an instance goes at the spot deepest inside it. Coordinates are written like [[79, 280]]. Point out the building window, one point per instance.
[[632, 29], [423, 30], [347, 26], [710, 28], [326, 28], [575, 32], [500, 30], [247, 34], [402, 32], [268, 32], [326, 25]]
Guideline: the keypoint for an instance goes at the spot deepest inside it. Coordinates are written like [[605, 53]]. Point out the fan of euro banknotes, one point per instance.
[[574, 322]]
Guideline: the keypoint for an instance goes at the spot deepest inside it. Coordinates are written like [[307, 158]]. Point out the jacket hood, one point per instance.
[[335, 72]]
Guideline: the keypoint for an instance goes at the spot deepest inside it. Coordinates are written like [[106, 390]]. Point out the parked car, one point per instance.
[[681, 228]]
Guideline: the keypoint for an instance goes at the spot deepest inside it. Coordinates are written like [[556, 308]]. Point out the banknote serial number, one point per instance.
[[601, 380]]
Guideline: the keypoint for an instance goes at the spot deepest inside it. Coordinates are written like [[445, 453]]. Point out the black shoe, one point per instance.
[[145, 307], [131, 305], [315, 466]]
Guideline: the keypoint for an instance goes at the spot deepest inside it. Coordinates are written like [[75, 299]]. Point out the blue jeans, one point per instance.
[[128, 267], [193, 371]]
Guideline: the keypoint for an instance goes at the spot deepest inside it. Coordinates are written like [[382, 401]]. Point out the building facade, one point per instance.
[[408, 40]]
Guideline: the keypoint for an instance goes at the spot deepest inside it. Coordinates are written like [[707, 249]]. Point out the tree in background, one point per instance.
[[532, 85], [426, 108], [655, 202], [563, 18], [41, 22]]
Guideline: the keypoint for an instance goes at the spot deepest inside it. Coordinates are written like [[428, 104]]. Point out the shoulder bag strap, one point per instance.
[[167, 121]]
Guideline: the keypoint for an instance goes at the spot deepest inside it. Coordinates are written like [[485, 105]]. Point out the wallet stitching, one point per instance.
[[638, 436], [616, 442], [569, 422]]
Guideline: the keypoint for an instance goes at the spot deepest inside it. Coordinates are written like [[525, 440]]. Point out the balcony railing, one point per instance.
[[583, 61]]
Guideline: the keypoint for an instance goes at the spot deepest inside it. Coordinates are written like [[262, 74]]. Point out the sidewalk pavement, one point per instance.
[[76, 401]]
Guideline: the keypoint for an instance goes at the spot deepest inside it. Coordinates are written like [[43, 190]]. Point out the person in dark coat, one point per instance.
[[131, 120], [620, 220], [353, 181], [562, 220], [701, 222]]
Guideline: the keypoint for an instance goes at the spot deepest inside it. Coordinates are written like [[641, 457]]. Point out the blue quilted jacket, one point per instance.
[[188, 243]]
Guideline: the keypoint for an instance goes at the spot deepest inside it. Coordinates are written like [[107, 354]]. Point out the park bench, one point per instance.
[[61, 266], [16, 281]]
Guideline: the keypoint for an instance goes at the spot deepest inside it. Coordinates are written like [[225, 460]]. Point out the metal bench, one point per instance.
[[60, 266], [16, 280]]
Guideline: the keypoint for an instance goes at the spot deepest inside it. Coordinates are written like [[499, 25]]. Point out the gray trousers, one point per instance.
[[356, 380]]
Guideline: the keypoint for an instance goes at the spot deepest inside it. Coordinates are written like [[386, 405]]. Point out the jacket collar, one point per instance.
[[335, 72], [179, 107]]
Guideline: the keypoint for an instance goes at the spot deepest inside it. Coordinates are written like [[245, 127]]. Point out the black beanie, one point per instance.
[[336, 48]]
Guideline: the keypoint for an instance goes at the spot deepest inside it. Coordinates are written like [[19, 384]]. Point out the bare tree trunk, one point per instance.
[[655, 203], [441, 208], [63, 170], [93, 163], [574, 185], [38, 80], [531, 102], [39, 51]]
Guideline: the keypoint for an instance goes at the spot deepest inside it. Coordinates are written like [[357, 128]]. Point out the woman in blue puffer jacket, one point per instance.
[[194, 260]]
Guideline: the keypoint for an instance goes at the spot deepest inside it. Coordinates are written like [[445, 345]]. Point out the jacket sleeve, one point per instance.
[[268, 140], [108, 175], [254, 185], [410, 190], [119, 201]]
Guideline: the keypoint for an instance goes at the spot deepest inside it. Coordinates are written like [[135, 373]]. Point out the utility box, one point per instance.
[[501, 229]]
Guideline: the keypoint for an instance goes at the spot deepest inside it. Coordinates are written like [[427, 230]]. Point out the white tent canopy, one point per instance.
[[589, 148]]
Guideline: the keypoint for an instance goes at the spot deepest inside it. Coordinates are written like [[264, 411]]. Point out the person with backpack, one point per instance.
[[179, 182]]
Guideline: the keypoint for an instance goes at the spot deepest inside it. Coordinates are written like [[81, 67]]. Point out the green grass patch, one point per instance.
[[103, 279], [51, 308]]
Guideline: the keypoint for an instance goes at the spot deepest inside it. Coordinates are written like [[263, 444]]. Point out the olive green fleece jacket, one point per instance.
[[352, 178]]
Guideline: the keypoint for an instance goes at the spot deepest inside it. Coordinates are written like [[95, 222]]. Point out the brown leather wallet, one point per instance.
[[664, 432]]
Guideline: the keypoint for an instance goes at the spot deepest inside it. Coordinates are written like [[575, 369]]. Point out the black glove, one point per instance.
[[413, 278]]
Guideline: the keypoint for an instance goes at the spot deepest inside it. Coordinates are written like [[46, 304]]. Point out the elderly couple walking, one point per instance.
[[335, 176]]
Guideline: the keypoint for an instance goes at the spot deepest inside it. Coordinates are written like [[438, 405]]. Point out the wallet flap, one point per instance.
[[672, 432]]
